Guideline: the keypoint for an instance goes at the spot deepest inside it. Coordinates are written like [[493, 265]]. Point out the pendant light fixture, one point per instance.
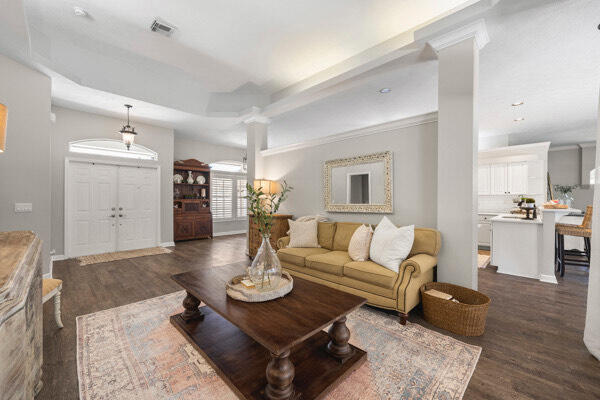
[[128, 132]]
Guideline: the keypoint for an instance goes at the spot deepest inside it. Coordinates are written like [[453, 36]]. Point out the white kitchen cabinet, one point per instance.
[[484, 230], [499, 182], [483, 179], [536, 178], [517, 178]]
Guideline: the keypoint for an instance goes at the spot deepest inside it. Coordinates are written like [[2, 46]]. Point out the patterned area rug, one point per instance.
[[122, 255], [133, 352], [483, 260]]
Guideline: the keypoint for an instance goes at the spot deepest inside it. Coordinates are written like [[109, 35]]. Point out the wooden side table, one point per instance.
[[279, 229]]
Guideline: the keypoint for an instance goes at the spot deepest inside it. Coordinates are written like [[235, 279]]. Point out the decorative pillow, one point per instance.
[[358, 249], [391, 245], [303, 234]]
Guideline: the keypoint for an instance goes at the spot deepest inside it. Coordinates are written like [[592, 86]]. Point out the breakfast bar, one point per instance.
[[525, 247]]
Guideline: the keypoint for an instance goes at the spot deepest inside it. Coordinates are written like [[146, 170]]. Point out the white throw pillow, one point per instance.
[[303, 233], [358, 249], [391, 245]]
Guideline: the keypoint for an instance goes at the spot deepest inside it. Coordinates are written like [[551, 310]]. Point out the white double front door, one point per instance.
[[110, 208]]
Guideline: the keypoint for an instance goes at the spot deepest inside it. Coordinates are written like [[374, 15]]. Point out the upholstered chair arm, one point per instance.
[[283, 242], [419, 263]]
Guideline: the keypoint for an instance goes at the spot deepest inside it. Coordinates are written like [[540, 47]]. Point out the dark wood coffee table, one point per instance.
[[276, 349]]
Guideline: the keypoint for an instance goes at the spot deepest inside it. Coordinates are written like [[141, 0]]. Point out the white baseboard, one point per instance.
[[167, 244], [54, 257], [548, 279], [229, 233]]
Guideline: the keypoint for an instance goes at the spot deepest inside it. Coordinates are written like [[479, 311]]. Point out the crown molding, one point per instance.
[[476, 30], [588, 144], [370, 130], [565, 147]]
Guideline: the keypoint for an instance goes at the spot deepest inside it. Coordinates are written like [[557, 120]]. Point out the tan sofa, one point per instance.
[[332, 266]]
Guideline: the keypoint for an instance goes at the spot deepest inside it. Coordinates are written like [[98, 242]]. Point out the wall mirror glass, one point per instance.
[[359, 184]]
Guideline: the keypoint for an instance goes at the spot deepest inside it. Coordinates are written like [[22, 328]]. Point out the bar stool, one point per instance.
[[585, 231]]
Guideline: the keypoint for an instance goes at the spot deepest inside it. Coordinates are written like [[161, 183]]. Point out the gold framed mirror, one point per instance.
[[360, 184]]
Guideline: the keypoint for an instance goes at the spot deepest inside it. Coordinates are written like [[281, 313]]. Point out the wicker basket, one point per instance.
[[466, 318]]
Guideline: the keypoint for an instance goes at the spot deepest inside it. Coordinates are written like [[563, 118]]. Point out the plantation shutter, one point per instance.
[[242, 202], [222, 197]]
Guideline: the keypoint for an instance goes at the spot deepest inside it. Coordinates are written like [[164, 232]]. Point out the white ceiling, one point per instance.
[[315, 66]]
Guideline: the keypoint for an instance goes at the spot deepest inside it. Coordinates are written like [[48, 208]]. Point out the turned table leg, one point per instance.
[[190, 303], [280, 374], [338, 346]]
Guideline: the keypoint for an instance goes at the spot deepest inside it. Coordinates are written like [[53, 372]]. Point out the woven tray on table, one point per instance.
[[465, 318], [237, 291]]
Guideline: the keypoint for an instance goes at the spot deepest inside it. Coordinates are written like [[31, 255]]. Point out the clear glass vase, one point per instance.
[[265, 271]]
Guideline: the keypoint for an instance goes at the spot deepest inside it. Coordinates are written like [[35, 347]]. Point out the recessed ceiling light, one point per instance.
[[80, 12], [519, 119], [385, 90], [518, 103]]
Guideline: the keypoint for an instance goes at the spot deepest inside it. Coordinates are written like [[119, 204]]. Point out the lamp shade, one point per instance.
[[3, 118], [268, 187]]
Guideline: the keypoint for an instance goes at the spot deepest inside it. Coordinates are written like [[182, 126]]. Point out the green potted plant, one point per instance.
[[265, 271]]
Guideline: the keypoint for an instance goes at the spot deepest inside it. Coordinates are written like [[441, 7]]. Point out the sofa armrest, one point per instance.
[[420, 263], [283, 242]]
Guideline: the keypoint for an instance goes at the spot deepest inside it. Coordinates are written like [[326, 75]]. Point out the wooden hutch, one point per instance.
[[192, 218]]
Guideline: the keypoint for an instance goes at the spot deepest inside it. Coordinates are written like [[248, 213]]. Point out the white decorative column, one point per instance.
[[458, 132], [591, 336], [256, 140]]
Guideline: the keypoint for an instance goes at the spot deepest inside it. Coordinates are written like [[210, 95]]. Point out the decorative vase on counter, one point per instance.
[[265, 271], [190, 178]]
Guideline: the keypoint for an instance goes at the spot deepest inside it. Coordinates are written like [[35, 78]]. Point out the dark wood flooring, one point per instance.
[[532, 349]]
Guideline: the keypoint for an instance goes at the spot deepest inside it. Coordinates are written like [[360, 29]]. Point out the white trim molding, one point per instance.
[[476, 30], [548, 279], [229, 233], [167, 244], [370, 130]]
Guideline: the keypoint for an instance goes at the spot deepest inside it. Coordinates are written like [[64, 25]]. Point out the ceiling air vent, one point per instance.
[[162, 27]]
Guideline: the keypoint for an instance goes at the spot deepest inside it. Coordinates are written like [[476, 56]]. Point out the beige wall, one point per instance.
[[415, 174], [73, 125], [567, 166], [189, 148], [25, 165]]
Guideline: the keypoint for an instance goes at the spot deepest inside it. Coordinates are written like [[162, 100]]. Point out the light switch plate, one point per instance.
[[23, 207]]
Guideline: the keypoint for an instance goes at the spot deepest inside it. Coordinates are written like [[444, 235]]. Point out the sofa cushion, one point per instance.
[[343, 234], [391, 245], [426, 241], [331, 262], [359, 246], [370, 272], [326, 230], [303, 233], [297, 255]]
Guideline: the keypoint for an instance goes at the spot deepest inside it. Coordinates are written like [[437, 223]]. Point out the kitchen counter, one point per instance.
[[516, 219]]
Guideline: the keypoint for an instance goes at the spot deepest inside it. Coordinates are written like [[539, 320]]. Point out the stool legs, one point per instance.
[[57, 308], [588, 248], [561, 250]]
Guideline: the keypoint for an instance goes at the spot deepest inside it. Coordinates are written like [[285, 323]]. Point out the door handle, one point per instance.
[[112, 215], [120, 208], [120, 215], [112, 209]]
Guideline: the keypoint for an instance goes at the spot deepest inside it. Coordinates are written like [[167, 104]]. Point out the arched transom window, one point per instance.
[[112, 148]]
